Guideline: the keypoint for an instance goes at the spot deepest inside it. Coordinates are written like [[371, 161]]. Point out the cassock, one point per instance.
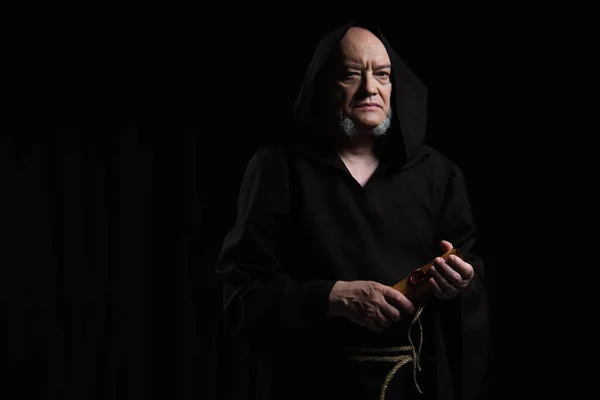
[[303, 223]]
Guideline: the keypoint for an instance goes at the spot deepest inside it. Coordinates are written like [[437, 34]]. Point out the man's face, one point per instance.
[[362, 88]]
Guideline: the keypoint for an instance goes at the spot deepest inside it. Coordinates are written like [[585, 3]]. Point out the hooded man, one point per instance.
[[330, 221]]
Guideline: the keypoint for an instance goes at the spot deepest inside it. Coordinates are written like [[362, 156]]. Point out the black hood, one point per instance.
[[409, 96]]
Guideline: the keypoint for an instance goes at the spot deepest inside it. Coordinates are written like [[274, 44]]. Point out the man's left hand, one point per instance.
[[450, 277]]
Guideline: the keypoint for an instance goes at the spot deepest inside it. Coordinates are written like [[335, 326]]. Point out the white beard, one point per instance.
[[350, 128]]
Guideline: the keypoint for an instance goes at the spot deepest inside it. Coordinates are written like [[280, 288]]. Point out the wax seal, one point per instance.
[[417, 277]]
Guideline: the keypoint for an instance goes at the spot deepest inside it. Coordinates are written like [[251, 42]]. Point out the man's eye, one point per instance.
[[352, 74]]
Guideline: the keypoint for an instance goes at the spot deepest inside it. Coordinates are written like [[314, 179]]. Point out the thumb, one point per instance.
[[445, 245]]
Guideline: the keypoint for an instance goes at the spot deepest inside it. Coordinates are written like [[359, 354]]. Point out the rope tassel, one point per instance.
[[417, 353]]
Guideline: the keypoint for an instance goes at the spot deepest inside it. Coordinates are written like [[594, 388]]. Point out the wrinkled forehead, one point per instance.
[[361, 46]]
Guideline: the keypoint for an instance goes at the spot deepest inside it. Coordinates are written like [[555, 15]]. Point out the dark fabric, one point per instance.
[[303, 223], [105, 288]]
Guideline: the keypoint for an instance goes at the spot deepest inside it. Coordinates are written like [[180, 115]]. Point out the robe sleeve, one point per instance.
[[257, 294], [465, 319]]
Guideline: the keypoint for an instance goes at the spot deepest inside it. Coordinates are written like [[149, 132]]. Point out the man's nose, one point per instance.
[[368, 85]]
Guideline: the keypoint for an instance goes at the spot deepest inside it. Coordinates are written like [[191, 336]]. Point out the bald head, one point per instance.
[[361, 91], [362, 46]]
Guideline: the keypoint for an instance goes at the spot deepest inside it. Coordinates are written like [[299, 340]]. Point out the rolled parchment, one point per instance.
[[416, 284]]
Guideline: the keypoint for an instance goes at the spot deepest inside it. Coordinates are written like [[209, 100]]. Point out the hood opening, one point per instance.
[[409, 99]]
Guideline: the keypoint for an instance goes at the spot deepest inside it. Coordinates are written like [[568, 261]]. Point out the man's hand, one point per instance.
[[368, 303], [450, 277]]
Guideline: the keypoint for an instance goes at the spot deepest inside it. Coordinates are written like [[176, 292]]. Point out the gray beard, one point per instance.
[[350, 128]]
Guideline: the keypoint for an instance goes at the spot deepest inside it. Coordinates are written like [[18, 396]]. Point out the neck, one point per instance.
[[360, 146]]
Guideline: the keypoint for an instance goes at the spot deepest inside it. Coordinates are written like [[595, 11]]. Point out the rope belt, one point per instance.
[[411, 355]]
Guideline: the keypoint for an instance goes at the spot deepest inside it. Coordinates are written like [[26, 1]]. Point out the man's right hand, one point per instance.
[[368, 303]]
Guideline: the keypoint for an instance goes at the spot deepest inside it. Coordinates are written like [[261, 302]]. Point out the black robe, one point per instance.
[[303, 223]]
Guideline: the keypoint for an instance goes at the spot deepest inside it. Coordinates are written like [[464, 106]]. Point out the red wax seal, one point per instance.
[[416, 277]]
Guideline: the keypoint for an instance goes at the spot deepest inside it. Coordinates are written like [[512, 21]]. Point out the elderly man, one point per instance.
[[329, 222]]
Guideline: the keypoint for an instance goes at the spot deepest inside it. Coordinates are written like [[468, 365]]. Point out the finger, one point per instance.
[[437, 290], [449, 274], [462, 267], [374, 326], [369, 324], [398, 300], [384, 321], [446, 245], [442, 282], [390, 312], [380, 318]]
